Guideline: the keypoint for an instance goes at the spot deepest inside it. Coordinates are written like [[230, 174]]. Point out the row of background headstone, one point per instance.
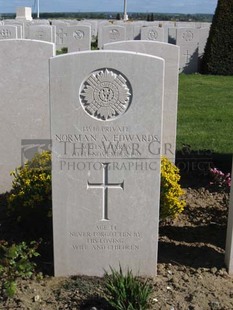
[[24, 107], [24, 102], [26, 86], [24, 89], [105, 216], [77, 36]]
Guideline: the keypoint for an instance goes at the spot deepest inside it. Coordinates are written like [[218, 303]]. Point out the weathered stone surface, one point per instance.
[[106, 132], [41, 33], [229, 238], [152, 33], [111, 33], [187, 39], [24, 13], [24, 103], [170, 53], [8, 32]]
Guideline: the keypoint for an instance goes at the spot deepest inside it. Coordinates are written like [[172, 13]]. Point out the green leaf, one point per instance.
[[10, 287]]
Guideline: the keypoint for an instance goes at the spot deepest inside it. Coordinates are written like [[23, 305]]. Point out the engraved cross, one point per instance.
[[105, 186], [61, 35]]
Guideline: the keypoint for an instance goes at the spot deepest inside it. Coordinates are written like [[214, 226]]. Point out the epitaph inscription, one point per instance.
[[105, 95], [106, 237]]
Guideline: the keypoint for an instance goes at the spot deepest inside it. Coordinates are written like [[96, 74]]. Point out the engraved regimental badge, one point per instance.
[[105, 95]]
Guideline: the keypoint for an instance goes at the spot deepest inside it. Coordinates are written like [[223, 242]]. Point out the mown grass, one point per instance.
[[205, 113]]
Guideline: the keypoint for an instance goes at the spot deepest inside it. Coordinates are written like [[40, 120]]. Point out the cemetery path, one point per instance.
[[191, 272]]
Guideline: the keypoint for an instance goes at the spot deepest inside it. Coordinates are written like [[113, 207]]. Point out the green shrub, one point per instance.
[[171, 203], [30, 198], [94, 44], [15, 262], [63, 50], [218, 56], [126, 292]]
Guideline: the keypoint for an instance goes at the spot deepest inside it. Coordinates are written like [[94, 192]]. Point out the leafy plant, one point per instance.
[[218, 56], [15, 262], [171, 203], [126, 292], [220, 181], [63, 50], [30, 198], [94, 44]]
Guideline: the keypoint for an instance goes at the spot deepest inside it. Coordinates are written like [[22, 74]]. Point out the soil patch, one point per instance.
[[191, 271]]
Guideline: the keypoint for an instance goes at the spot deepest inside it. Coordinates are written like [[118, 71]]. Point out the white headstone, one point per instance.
[[93, 24], [106, 164], [170, 53], [165, 29], [185, 24], [61, 36], [187, 39], [8, 32], [40, 32], [132, 29], [205, 25], [41, 22], [152, 33], [19, 25], [78, 38], [59, 22], [113, 33], [172, 35], [24, 104], [54, 31], [229, 238], [203, 37]]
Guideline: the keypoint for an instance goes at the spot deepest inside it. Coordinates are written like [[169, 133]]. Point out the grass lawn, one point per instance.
[[205, 113]]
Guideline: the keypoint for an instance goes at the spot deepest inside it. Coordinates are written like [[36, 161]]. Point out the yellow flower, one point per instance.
[[171, 203]]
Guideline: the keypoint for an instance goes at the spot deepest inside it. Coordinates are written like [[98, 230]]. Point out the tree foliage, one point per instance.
[[218, 56]]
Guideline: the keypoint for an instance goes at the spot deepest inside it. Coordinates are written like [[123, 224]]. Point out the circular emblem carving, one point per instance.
[[5, 33], [153, 35], [187, 35], [105, 95], [114, 34], [78, 35]]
